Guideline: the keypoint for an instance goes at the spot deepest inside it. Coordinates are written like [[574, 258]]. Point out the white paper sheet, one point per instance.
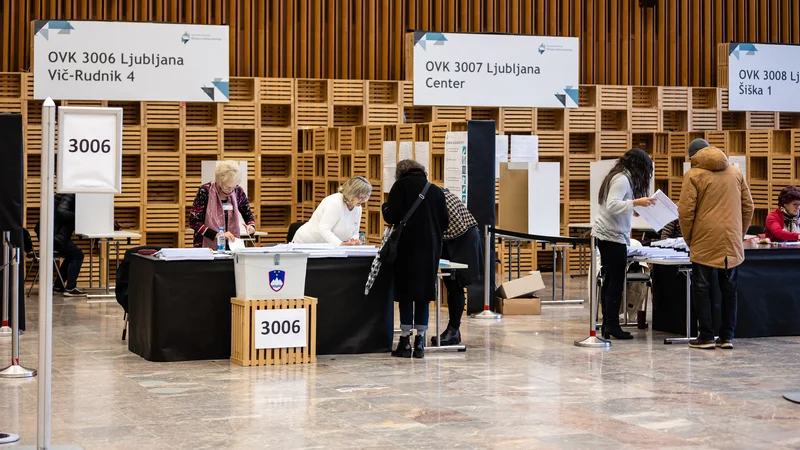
[[500, 153], [389, 164], [740, 162], [405, 151], [455, 163], [422, 155], [661, 213], [524, 148], [236, 244]]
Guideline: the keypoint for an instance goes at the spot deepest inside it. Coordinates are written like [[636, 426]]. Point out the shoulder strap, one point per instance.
[[419, 200]]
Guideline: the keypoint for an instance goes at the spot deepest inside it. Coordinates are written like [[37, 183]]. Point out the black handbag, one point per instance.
[[388, 252]]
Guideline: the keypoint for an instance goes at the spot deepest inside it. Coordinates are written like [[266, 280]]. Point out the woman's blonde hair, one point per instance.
[[355, 188], [227, 171]]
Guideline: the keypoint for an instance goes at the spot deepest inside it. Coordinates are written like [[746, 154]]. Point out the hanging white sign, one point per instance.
[[142, 61], [763, 77], [89, 150], [467, 69]]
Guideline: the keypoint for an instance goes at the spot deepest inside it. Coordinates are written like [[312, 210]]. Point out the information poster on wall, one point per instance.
[[455, 163], [389, 164], [141, 61], [422, 154], [500, 153], [763, 77], [405, 151], [466, 69], [524, 148]]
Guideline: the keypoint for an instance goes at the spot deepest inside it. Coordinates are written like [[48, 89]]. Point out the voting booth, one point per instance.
[[272, 322]]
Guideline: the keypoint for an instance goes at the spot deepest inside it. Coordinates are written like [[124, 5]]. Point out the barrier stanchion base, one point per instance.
[[593, 342], [680, 340], [794, 397], [445, 348], [17, 371], [8, 438], [51, 447], [562, 302], [487, 314], [5, 332]]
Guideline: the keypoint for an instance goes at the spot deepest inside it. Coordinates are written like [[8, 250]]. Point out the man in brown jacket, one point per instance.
[[715, 210]]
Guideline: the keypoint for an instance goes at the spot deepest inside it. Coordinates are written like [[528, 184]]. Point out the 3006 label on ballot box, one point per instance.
[[281, 328]]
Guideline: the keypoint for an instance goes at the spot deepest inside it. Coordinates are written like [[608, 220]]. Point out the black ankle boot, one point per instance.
[[419, 346], [616, 332], [403, 349], [451, 336]]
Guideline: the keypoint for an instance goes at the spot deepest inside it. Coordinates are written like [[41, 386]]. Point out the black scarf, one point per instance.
[[789, 221]]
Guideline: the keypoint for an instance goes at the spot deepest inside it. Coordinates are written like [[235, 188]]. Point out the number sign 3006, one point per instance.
[[89, 145], [278, 327]]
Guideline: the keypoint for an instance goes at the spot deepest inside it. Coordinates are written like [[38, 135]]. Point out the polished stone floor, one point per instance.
[[522, 384]]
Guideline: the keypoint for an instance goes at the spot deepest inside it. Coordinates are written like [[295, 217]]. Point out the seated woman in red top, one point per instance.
[[783, 224]]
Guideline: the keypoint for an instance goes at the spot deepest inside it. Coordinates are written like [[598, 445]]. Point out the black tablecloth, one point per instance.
[[180, 310], [769, 301]]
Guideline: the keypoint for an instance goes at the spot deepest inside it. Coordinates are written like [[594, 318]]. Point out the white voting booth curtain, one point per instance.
[[207, 171], [94, 214]]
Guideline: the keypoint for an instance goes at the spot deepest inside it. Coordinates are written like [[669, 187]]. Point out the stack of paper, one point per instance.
[[655, 254], [677, 244], [184, 254]]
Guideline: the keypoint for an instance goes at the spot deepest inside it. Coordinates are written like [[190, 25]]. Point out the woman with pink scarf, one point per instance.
[[213, 201]]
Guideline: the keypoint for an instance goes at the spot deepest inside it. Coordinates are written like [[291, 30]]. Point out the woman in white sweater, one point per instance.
[[338, 217], [625, 186]]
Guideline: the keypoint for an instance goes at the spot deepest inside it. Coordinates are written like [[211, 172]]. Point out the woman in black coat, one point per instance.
[[419, 250]]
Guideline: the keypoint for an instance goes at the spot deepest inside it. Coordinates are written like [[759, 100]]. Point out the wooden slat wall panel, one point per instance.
[[673, 44]]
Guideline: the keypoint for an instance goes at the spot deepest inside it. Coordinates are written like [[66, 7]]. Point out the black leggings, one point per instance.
[[455, 300], [614, 258]]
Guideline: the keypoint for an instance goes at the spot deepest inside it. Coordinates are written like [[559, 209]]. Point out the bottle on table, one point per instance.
[[221, 240], [362, 238]]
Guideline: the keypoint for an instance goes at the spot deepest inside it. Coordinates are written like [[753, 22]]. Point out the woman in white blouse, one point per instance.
[[338, 217]]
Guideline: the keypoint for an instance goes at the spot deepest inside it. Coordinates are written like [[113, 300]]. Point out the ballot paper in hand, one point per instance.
[[236, 244], [661, 213]]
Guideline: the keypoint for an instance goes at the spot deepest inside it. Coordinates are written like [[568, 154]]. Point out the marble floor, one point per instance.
[[522, 384]]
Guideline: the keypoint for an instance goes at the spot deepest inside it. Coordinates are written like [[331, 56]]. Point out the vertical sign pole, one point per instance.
[[46, 268]]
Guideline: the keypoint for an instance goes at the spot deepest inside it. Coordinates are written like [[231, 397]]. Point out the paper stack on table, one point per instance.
[[656, 253], [661, 213], [185, 254], [677, 244]]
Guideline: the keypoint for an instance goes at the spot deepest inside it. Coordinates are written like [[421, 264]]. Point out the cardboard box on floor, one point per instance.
[[515, 297]]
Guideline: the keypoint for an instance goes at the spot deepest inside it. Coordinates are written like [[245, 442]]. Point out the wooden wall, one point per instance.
[[673, 44]]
